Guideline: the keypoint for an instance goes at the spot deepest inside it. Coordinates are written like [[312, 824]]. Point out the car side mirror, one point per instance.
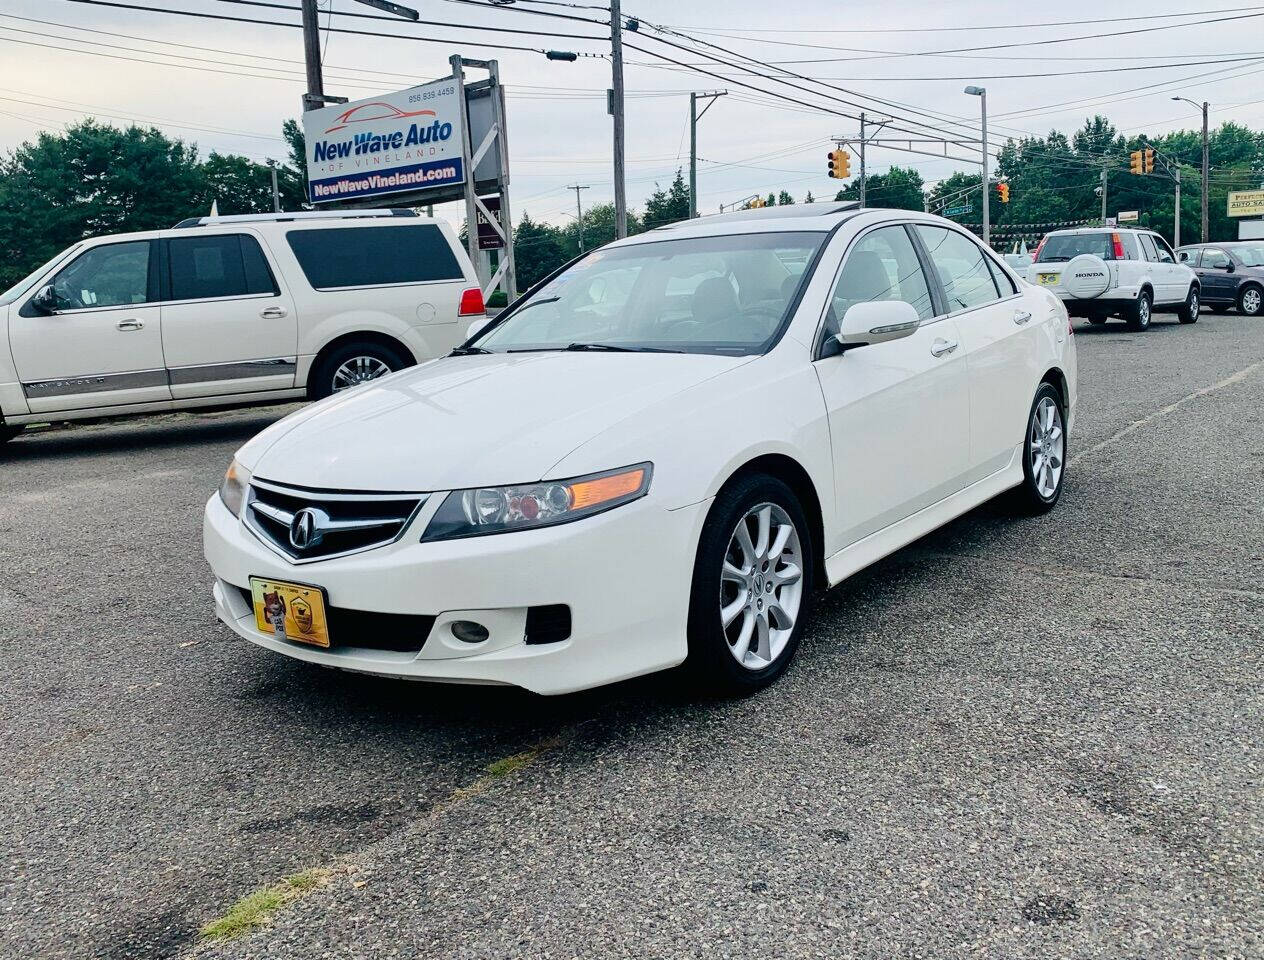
[[477, 327], [877, 321], [1229, 268], [45, 301]]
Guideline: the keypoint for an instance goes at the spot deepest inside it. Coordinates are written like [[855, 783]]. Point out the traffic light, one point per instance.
[[1149, 160], [1135, 161], [1002, 191], [839, 164], [758, 202]]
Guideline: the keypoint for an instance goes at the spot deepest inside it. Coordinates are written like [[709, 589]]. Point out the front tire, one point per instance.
[[1044, 452], [352, 364], [751, 584], [1250, 302], [1138, 313], [1188, 311]]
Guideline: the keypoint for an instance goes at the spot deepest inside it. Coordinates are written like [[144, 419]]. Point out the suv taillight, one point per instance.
[[472, 303], [1040, 246], [1118, 244]]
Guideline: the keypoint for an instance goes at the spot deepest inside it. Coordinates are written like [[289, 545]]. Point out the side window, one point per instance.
[[882, 265], [1188, 256], [218, 266], [107, 276], [337, 257], [1163, 250], [1215, 259], [962, 266], [1147, 247], [1003, 283]]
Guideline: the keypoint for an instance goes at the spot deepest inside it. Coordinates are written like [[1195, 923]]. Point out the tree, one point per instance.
[[668, 206], [537, 251], [784, 199], [236, 185], [809, 198], [92, 179], [599, 229], [292, 174], [899, 188], [771, 201]]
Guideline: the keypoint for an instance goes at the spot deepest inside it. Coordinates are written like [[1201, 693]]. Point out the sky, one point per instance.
[[228, 86]]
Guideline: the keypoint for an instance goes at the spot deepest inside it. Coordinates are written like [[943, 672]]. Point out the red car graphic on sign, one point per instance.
[[375, 111]]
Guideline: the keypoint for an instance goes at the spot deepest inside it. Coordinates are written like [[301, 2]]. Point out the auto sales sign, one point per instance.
[[407, 141]]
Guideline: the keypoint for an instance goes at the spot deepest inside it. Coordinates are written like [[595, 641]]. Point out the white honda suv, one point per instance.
[[230, 310], [1107, 272], [652, 457]]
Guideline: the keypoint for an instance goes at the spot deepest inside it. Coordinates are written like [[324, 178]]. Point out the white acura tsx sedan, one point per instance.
[[653, 457]]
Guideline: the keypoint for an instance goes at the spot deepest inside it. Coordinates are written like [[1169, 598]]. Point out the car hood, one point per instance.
[[470, 421]]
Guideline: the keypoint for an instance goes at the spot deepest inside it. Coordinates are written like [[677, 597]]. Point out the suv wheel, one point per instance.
[[350, 365], [8, 432], [1250, 301], [1188, 311], [1044, 452], [751, 584], [1138, 313]]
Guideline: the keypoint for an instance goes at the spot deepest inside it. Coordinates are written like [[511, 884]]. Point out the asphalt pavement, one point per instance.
[[1015, 738]]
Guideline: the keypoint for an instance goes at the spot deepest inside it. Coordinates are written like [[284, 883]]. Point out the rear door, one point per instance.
[[228, 326], [898, 411], [103, 345], [1001, 340]]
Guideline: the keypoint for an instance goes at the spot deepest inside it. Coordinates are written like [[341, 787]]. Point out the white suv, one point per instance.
[[1103, 272], [231, 310]]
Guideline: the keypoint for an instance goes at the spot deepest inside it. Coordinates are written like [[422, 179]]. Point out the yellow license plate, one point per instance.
[[1047, 279], [290, 611]]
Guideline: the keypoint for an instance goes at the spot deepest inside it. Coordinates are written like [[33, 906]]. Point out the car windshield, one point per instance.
[[1252, 256], [1060, 247], [720, 294], [22, 285]]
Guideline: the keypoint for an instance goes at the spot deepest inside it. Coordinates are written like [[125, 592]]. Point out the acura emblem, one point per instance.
[[307, 528]]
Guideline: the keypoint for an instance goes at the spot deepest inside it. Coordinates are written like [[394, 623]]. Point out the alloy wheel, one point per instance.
[[358, 370], [1194, 305], [1047, 444], [761, 586], [1251, 302], [1143, 311]]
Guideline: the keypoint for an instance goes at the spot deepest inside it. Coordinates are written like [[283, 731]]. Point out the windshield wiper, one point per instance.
[[615, 348], [467, 351]]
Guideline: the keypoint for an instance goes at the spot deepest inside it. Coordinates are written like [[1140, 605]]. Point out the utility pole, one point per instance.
[[276, 193], [616, 108], [981, 93], [579, 213], [311, 56], [1206, 170], [1176, 230], [862, 158], [1104, 196], [694, 117]]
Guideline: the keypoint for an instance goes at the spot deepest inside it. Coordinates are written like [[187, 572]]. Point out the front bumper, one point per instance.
[[625, 575]]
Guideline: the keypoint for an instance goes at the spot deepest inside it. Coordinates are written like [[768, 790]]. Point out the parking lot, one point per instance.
[[1017, 737]]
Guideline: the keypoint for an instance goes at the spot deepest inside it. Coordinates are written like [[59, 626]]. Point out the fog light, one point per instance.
[[467, 631]]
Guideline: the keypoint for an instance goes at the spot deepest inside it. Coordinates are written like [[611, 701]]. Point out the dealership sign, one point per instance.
[[1246, 203], [402, 142]]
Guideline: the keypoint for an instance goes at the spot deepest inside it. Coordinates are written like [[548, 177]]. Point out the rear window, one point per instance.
[[373, 256], [218, 266], [1061, 247]]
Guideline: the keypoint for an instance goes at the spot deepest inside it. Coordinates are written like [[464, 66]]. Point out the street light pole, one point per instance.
[[616, 107], [1204, 107], [981, 93]]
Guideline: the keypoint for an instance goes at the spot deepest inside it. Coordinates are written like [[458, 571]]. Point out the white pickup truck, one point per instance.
[[1107, 272]]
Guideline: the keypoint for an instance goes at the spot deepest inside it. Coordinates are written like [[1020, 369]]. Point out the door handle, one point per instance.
[[1021, 317], [130, 324], [942, 346], [272, 313]]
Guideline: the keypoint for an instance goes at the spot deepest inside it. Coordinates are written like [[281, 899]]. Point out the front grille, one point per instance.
[[305, 525], [366, 630]]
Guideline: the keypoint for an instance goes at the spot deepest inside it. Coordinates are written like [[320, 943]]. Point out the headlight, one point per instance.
[[473, 513], [233, 489]]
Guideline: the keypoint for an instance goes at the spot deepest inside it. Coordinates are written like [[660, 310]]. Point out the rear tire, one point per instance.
[[1138, 313], [8, 432], [1044, 453], [760, 582], [1250, 301], [1188, 311], [351, 364], [1097, 318]]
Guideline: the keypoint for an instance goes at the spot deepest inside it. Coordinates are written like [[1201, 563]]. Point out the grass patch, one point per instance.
[[258, 908], [507, 765]]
